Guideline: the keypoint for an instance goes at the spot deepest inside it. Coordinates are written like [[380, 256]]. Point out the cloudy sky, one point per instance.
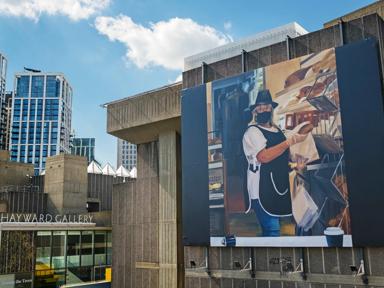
[[110, 49]]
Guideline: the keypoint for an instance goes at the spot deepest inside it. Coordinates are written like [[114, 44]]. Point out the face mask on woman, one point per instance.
[[263, 117]]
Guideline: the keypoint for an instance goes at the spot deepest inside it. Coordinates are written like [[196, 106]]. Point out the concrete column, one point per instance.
[[168, 211], [66, 182]]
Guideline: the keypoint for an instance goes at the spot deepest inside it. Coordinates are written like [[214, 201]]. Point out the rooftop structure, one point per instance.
[[251, 43]]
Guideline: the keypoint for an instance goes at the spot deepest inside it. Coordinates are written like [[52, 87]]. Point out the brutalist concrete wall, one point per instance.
[[14, 173], [323, 267], [22, 199], [140, 118], [376, 7], [135, 222], [355, 30], [65, 182], [100, 188], [38, 181]]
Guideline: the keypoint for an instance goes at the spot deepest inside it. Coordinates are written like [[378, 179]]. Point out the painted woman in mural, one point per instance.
[[267, 151]]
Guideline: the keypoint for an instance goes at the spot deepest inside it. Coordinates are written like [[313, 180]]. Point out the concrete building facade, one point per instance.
[[147, 259], [14, 173], [146, 212], [48, 253], [66, 184]]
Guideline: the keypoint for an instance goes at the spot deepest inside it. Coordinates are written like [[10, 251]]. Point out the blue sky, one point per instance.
[[110, 49]]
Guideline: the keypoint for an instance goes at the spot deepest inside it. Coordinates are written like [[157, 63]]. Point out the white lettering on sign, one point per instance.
[[44, 218]]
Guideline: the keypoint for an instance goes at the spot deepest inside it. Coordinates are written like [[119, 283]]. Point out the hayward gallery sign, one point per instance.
[[45, 218]]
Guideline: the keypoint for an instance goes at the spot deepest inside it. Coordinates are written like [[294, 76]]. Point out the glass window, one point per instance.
[[109, 248], [22, 87], [73, 249], [58, 249], [49, 278], [52, 87], [86, 248], [37, 86], [30, 150], [16, 111], [43, 250], [85, 274], [100, 248]]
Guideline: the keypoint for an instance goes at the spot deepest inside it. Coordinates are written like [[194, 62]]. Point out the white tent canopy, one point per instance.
[[108, 170], [94, 168], [122, 172], [133, 173]]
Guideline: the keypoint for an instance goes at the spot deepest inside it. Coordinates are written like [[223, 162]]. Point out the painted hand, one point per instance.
[[296, 138]]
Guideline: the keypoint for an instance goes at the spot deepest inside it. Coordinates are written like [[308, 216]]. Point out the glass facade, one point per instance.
[[84, 147], [67, 257], [73, 249], [3, 104], [126, 154], [41, 118], [61, 257]]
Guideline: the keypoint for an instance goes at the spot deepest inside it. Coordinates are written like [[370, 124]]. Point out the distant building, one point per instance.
[[41, 117], [84, 147], [3, 75], [126, 154], [7, 119]]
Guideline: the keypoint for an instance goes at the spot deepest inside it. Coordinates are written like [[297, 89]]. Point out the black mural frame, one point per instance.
[[362, 115], [194, 143]]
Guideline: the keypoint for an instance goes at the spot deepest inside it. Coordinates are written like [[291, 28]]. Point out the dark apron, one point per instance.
[[274, 194]]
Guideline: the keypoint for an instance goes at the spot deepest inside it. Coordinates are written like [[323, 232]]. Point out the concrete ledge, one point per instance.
[[147, 265], [149, 132], [148, 112]]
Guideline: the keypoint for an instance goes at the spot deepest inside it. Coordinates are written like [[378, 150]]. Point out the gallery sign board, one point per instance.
[[288, 155]]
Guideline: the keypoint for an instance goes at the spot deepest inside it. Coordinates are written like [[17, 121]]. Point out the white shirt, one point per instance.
[[253, 142]]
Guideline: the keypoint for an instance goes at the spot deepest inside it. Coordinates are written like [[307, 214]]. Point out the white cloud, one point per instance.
[[32, 9], [178, 78], [227, 25], [164, 43]]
